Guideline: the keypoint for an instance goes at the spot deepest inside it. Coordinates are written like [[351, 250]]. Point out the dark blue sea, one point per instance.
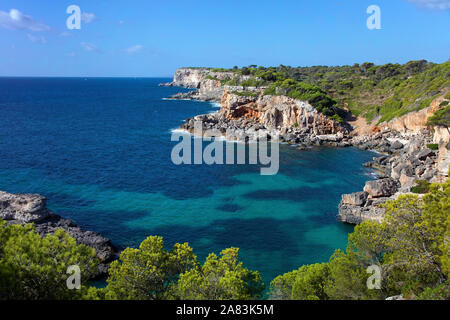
[[99, 150]]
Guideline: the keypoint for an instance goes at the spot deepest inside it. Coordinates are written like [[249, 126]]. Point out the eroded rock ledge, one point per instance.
[[32, 208]]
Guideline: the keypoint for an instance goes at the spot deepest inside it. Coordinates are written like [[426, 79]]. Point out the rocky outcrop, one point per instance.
[[297, 121], [357, 213], [207, 82], [188, 77], [441, 137], [381, 188], [23, 208], [367, 205], [32, 208], [278, 112], [405, 159], [209, 90], [355, 199], [294, 121]]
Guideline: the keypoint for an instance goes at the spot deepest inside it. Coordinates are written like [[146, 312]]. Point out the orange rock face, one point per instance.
[[277, 112], [414, 122]]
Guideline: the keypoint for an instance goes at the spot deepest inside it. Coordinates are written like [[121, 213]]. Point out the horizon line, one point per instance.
[[86, 77]]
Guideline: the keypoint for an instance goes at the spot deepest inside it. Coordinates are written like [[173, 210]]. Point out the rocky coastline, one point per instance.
[[32, 208], [404, 144]]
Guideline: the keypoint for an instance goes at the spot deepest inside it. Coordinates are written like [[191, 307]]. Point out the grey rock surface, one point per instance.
[[32, 208], [381, 188]]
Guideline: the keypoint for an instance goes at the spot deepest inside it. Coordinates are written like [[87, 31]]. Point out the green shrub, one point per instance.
[[447, 95], [33, 267], [421, 187], [307, 92], [441, 292], [245, 93], [209, 77], [440, 118], [433, 146]]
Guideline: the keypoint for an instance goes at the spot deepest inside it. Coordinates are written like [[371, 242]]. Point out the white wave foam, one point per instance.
[[179, 130], [177, 99]]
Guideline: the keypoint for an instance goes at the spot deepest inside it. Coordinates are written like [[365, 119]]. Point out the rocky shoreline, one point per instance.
[[403, 144], [32, 208], [403, 161]]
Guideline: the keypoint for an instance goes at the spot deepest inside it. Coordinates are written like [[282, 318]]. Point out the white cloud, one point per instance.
[[66, 34], [71, 54], [90, 47], [88, 17], [432, 4], [37, 39], [16, 20], [134, 49]]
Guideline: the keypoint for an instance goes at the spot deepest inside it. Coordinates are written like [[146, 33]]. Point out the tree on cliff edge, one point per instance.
[[34, 267], [411, 247]]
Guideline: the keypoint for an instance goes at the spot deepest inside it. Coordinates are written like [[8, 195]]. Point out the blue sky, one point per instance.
[[153, 38]]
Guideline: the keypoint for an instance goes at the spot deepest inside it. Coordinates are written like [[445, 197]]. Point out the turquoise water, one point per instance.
[[99, 149]]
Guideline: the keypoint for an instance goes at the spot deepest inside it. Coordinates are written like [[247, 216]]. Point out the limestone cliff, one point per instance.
[[208, 83], [286, 115], [415, 121], [278, 112], [189, 77]]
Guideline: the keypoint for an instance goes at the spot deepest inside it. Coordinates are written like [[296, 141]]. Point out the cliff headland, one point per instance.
[[400, 111]]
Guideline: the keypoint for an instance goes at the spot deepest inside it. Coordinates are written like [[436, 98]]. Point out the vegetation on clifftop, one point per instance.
[[383, 92], [307, 92], [440, 118]]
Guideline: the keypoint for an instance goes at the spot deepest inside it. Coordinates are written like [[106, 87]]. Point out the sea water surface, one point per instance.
[[99, 150]]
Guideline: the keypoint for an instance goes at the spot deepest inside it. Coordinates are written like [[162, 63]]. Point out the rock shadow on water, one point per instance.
[[229, 207], [224, 233], [262, 234], [301, 194], [258, 240], [189, 186], [109, 226], [324, 218], [65, 200]]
